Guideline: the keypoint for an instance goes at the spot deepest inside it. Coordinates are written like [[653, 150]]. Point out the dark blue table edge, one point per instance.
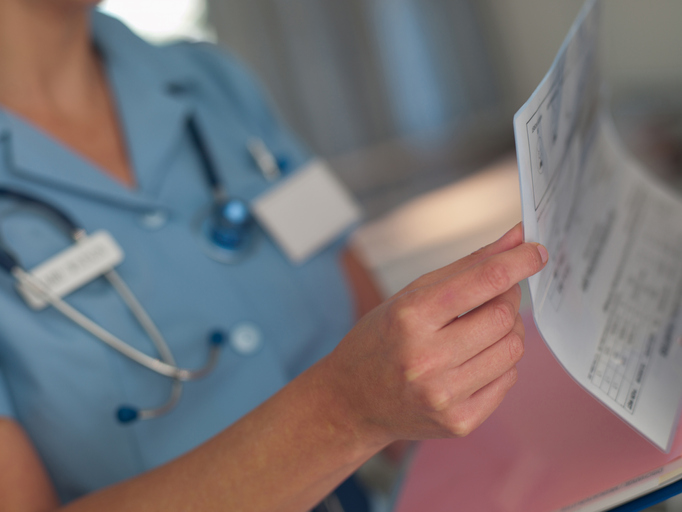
[[657, 496]]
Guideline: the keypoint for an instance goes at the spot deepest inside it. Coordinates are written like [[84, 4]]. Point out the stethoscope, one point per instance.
[[229, 227]]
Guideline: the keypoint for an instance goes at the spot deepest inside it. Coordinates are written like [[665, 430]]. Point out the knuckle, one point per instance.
[[519, 327], [435, 399], [495, 277], [532, 256], [404, 314], [460, 427], [414, 366], [516, 347], [504, 314], [422, 280], [512, 376]]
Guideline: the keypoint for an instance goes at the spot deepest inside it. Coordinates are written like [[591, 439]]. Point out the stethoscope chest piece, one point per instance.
[[227, 231]]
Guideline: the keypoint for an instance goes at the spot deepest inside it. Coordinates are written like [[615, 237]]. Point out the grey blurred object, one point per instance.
[[674, 504], [355, 73], [399, 94], [650, 122]]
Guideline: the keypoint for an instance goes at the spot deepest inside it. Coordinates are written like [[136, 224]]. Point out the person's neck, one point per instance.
[[47, 62], [51, 75]]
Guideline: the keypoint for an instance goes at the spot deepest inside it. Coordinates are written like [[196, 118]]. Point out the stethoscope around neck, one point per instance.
[[229, 227]]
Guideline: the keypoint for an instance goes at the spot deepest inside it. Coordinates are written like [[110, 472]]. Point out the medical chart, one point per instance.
[[608, 302]]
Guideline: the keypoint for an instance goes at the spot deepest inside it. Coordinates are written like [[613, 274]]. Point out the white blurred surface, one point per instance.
[[160, 21]]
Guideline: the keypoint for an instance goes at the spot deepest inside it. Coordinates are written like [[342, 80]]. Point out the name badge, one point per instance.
[[79, 264], [306, 211]]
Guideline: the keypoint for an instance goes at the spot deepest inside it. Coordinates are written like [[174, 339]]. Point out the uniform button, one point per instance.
[[154, 220], [245, 338]]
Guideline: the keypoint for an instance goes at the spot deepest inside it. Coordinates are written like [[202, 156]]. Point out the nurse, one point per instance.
[[95, 121]]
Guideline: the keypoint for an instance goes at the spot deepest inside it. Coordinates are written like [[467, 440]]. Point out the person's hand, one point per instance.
[[438, 357]]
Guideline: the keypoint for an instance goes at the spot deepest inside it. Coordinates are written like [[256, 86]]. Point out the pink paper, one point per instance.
[[549, 445]]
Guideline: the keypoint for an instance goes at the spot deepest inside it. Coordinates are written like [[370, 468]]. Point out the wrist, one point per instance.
[[341, 410]]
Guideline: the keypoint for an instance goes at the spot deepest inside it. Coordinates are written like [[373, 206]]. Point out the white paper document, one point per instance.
[[608, 302]]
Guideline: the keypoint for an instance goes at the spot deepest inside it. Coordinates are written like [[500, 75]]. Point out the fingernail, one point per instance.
[[544, 255]]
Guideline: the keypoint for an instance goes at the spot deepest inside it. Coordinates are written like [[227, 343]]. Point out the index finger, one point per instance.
[[509, 240], [476, 285]]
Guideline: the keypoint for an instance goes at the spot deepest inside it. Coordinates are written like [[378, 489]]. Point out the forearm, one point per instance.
[[286, 455]]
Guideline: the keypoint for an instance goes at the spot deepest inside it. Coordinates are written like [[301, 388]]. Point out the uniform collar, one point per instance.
[[143, 81]]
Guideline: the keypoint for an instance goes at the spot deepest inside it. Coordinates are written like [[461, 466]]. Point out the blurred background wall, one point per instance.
[[401, 95], [643, 66], [404, 96], [643, 41], [358, 72]]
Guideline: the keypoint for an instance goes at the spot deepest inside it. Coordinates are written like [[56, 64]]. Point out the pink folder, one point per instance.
[[549, 445]]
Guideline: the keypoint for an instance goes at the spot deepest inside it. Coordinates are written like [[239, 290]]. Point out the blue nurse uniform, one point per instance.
[[63, 385]]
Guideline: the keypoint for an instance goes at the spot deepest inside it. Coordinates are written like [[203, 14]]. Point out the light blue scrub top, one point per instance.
[[63, 385]]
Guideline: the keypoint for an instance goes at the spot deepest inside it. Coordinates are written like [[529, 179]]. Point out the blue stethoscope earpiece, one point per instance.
[[283, 164], [231, 224], [217, 338], [127, 414], [227, 229]]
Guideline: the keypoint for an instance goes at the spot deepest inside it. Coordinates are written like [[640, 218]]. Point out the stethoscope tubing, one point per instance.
[[68, 222], [167, 369], [165, 364]]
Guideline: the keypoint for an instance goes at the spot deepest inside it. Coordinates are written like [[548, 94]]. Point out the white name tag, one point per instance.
[[307, 211], [74, 267]]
